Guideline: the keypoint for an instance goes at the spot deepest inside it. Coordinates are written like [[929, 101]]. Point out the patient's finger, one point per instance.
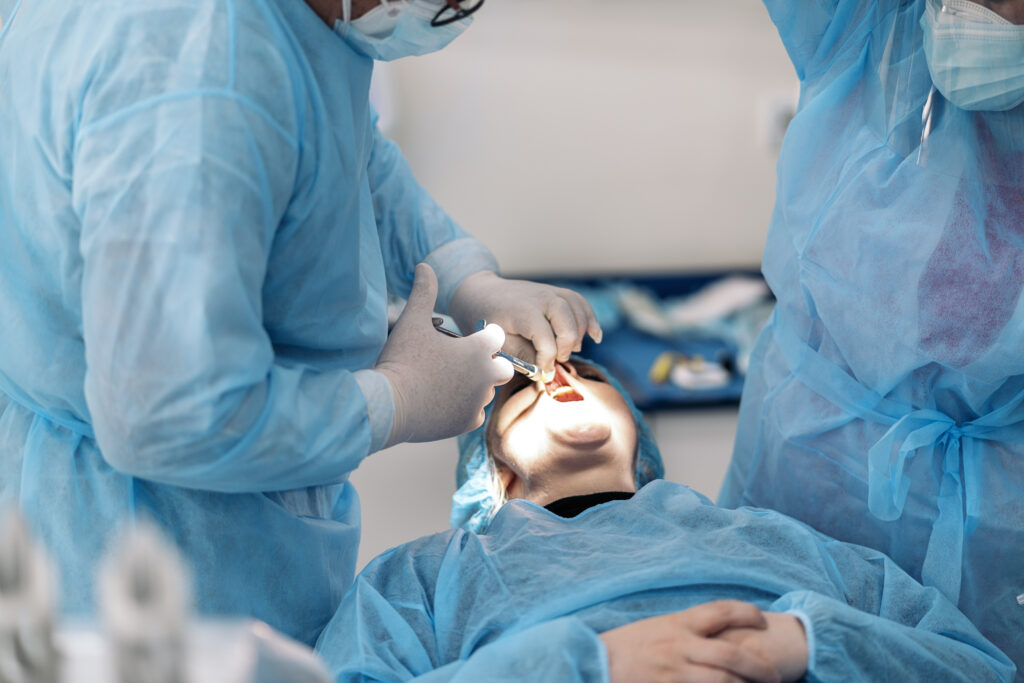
[[698, 673], [714, 617], [735, 659]]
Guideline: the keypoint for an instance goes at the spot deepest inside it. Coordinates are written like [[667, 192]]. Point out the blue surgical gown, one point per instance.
[[525, 600], [199, 225], [885, 401]]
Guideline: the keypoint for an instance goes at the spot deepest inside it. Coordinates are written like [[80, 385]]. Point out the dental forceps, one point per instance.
[[521, 366]]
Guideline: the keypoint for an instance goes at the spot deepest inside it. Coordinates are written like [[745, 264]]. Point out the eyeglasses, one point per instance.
[[454, 10]]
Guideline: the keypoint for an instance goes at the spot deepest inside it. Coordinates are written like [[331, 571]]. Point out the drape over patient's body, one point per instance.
[[525, 600]]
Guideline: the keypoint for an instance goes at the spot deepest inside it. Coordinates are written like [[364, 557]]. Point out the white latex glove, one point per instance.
[[542, 323], [440, 384]]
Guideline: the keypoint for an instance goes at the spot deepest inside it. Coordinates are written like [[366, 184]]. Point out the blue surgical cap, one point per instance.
[[475, 501]]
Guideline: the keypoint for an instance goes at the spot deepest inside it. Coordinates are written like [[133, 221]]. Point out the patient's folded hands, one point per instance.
[[710, 642], [783, 643]]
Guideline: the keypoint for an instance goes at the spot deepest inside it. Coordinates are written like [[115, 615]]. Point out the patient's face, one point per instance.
[[579, 432]]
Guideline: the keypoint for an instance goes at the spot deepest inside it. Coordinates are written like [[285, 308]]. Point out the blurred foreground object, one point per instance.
[[144, 597], [28, 603], [148, 634], [217, 651]]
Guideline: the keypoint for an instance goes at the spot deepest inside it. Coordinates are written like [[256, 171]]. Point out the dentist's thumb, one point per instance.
[[424, 293]]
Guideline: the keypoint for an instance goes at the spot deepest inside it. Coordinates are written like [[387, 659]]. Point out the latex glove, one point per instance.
[[440, 384], [682, 647], [542, 323], [783, 643]]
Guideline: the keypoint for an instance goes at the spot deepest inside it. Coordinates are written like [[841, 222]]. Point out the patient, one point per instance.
[[595, 570]]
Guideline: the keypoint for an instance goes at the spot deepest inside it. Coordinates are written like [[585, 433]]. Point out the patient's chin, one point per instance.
[[582, 433]]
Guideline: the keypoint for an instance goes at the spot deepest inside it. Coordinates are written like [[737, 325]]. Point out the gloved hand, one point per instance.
[[542, 323], [440, 384]]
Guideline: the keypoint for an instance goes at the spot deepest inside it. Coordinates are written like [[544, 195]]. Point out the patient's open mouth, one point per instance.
[[559, 387]]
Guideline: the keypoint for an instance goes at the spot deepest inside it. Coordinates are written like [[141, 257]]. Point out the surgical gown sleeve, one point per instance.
[[385, 630], [413, 228], [889, 628], [815, 32], [180, 182]]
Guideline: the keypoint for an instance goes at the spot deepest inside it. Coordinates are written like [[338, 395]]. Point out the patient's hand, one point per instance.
[[682, 647], [783, 643]]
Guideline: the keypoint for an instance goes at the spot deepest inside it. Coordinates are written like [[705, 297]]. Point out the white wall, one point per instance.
[[602, 135], [577, 136]]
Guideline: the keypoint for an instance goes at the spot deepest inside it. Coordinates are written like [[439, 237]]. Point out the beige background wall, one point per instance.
[[602, 134]]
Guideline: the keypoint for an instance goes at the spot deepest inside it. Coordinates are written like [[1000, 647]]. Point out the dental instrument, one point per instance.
[[529, 369]]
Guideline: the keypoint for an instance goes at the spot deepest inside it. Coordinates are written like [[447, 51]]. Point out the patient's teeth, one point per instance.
[[559, 387]]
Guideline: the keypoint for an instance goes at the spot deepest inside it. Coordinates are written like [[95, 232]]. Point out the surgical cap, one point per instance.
[[475, 501]]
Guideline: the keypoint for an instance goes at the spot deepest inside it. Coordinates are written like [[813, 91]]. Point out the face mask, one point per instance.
[[386, 37], [975, 56], [380, 22]]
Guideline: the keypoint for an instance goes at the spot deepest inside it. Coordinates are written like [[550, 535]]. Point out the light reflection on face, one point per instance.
[[541, 443]]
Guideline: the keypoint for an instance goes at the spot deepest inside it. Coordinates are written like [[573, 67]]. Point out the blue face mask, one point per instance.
[[975, 56], [411, 35]]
